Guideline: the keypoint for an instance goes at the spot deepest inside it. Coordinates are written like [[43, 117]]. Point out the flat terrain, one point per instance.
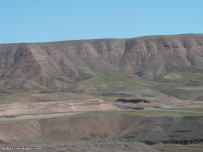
[[90, 122]]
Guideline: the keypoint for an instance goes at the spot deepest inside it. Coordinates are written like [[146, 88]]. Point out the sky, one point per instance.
[[58, 20]]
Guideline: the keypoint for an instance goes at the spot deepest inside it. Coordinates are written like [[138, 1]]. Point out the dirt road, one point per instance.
[[37, 116], [131, 107]]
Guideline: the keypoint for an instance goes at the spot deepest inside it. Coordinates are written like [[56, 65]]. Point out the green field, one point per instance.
[[165, 113], [186, 86], [104, 83], [10, 96], [189, 76]]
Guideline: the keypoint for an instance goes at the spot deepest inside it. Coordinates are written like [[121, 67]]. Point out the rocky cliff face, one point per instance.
[[58, 64]]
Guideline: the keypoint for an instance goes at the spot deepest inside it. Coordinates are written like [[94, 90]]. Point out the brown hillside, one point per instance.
[[59, 64]]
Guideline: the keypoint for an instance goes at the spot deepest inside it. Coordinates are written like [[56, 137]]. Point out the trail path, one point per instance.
[[130, 106], [37, 116]]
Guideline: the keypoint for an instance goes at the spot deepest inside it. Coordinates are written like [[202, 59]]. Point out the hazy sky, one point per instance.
[[56, 20]]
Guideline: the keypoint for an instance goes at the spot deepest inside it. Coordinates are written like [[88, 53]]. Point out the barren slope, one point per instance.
[[108, 125], [59, 64]]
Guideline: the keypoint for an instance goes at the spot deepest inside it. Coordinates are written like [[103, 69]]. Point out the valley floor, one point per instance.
[[100, 124]]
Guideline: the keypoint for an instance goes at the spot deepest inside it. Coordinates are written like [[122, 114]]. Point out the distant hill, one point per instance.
[[61, 64]]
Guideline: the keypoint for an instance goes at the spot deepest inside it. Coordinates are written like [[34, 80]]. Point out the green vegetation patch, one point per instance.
[[142, 113], [190, 76], [104, 83], [13, 95], [191, 109], [189, 79], [164, 113]]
